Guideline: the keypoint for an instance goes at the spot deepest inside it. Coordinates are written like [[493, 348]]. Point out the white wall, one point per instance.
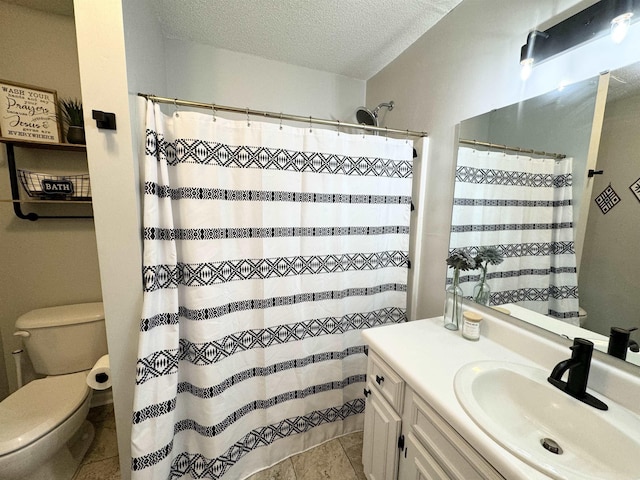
[[115, 200], [50, 261], [176, 69], [466, 65], [206, 74]]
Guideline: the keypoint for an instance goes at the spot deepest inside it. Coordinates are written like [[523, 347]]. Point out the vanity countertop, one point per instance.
[[427, 357]]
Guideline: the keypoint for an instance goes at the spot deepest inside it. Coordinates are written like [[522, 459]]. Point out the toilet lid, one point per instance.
[[38, 407]]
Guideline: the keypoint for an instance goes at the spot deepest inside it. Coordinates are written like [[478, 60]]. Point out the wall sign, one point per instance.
[[28, 113], [57, 187], [607, 199], [635, 188]]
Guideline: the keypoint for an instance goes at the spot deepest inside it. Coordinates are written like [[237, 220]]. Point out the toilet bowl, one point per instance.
[[44, 433]]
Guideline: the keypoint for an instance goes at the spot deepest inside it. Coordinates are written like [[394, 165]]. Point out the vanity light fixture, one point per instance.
[[526, 67], [604, 17], [527, 57], [620, 27]]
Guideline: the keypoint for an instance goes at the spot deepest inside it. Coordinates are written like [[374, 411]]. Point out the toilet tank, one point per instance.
[[64, 339]]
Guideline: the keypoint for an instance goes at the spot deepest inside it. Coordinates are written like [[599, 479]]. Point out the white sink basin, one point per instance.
[[517, 407]]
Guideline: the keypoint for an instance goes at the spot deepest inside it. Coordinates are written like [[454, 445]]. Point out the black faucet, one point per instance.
[[578, 366], [619, 342]]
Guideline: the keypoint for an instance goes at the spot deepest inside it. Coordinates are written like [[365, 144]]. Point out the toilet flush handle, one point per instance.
[[21, 333]]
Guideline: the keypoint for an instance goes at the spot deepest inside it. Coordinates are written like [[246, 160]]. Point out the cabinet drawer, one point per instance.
[[453, 453], [385, 381]]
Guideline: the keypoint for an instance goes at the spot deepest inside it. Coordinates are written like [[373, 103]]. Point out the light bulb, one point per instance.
[[526, 68], [620, 27]]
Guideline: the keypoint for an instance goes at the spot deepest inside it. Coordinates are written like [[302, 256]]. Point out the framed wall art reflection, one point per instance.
[[28, 113]]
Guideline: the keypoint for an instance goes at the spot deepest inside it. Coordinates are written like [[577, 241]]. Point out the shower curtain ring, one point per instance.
[[175, 105], [406, 140], [248, 122], [280, 120], [338, 127], [310, 124], [386, 133], [213, 111]]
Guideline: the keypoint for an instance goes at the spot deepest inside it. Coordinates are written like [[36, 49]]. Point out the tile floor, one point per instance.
[[338, 459], [101, 461]]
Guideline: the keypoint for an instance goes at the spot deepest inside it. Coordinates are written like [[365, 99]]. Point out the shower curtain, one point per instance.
[[523, 207], [267, 249]]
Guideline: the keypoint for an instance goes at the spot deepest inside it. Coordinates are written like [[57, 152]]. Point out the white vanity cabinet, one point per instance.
[[382, 422], [406, 439]]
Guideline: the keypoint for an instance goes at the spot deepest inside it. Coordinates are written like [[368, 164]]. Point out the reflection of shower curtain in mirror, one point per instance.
[[523, 207], [267, 250]]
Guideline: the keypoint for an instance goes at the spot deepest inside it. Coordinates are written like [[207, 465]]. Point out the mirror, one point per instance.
[[569, 265]]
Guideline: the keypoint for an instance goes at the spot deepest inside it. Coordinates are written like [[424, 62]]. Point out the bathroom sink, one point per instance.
[[554, 433]]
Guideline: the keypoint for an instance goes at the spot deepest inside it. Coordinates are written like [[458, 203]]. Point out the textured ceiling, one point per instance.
[[356, 38]]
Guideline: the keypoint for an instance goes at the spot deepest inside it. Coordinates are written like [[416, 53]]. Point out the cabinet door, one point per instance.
[[453, 454], [380, 440], [417, 464]]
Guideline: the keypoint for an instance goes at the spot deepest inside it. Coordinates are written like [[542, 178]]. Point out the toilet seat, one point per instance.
[[37, 408]]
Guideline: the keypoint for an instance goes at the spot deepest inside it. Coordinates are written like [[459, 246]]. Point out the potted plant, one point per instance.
[[71, 114]]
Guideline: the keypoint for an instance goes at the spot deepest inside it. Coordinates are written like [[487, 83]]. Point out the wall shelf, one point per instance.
[[11, 144], [69, 147]]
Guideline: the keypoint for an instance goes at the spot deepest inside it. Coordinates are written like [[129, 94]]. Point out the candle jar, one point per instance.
[[471, 326]]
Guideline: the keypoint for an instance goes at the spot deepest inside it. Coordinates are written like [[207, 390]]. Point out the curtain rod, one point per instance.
[[559, 156], [279, 116]]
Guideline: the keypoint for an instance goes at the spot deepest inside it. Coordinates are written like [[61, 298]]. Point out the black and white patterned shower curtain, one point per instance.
[[523, 207], [267, 249]]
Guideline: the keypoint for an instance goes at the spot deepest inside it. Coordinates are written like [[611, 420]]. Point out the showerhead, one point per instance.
[[368, 117]]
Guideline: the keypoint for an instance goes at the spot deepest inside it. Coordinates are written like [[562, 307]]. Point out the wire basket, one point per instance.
[[60, 187]]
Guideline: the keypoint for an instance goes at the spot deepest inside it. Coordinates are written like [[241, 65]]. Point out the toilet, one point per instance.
[[44, 433], [582, 317]]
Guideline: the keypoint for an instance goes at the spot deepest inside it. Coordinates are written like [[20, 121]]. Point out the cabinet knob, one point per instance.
[[379, 379], [367, 392]]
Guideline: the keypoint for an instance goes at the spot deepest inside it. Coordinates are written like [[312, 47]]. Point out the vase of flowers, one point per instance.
[[459, 259], [485, 256]]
